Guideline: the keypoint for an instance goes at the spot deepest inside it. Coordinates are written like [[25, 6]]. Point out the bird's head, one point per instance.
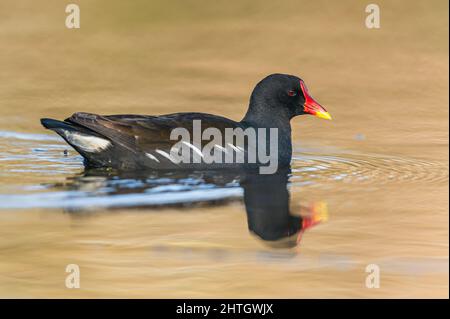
[[285, 95]]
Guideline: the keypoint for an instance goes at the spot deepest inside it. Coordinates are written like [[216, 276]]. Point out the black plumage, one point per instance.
[[143, 141]]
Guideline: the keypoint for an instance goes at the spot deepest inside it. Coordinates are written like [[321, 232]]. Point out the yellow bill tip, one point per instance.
[[323, 115]]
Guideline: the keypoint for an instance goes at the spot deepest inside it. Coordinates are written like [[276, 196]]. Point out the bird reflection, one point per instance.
[[269, 215], [266, 197], [266, 200]]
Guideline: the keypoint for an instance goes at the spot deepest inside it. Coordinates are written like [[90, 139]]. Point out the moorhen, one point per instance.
[[129, 142]]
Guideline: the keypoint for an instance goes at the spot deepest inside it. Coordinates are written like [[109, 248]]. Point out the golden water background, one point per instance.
[[384, 156]]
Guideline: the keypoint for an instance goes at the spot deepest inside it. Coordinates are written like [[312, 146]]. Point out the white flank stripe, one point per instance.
[[220, 148], [196, 150], [152, 157], [234, 147], [166, 155]]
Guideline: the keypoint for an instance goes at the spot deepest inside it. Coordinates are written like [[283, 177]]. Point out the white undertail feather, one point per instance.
[[87, 143]]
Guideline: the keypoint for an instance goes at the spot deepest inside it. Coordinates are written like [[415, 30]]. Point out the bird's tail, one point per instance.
[[83, 140]]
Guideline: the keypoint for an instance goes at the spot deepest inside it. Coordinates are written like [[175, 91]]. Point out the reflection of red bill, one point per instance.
[[319, 214], [311, 106]]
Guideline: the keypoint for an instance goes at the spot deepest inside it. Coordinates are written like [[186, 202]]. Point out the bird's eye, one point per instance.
[[292, 93]]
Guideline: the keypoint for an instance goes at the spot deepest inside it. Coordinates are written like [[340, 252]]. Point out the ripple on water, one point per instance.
[[23, 153], [38, 155], [367, 168]]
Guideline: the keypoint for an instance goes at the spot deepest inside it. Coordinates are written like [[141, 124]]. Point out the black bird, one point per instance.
[[129, 142]]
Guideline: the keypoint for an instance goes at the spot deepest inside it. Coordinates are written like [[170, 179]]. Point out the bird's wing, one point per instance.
[[140, 133]]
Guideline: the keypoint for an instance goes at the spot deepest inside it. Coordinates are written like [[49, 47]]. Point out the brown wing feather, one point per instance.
[[144, 132]]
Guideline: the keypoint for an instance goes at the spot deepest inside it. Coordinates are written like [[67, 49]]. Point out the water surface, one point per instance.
[[370, 187]]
